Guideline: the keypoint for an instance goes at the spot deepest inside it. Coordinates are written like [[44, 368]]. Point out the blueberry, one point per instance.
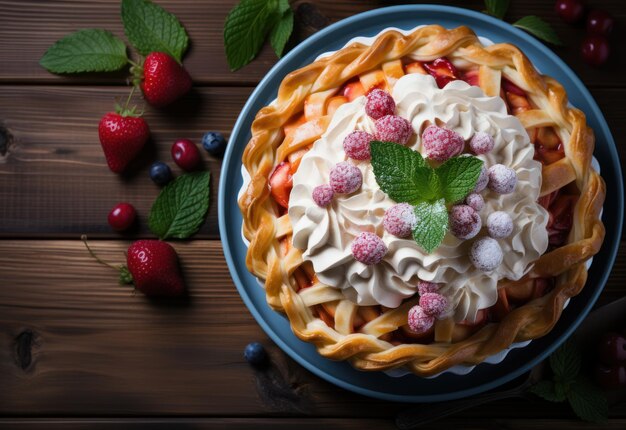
[[160, 173], [255, 354], [214, 143]]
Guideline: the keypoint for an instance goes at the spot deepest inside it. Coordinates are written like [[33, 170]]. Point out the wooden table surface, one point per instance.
[[79, 351]]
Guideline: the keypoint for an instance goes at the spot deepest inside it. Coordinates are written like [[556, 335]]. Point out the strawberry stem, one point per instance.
[[93, 254], [130, 96]]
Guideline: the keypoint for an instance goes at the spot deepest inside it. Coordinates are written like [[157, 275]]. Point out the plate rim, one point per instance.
[[245, 112]]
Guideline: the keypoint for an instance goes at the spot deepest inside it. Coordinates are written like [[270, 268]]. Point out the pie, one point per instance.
[[332, 247]]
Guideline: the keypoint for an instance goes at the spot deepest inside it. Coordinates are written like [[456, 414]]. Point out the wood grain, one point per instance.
[[74, 342], [29, 27]]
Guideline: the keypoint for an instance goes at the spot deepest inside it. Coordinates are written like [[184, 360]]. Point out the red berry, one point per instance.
[[613, 349], [483, 180], [393, 128], [475, 201], [433, 304], [610, 377], [323, 195], [502, 179], [481, 143], [595, 50], [122, 216], [420, 321], [164, 79], [424, 287], [186, 154], [379, 103], [464, 222], [600, 22], [368, 248], [486, 254], [399, 220], [441, 143], [357, 145], [570, 11], [153, 265], [345, 178], [122, 137], [499, 225]]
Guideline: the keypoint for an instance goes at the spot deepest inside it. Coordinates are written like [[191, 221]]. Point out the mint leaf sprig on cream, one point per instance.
[[406, 177]]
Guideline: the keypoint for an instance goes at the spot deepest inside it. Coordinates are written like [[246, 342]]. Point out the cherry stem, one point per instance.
[[93, 254], [132, 63]]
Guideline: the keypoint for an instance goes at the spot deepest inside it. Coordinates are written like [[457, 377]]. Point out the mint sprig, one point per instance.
[[497, 8], [586, 400], [531, 23], [89, 50], [406, 177], [181, 207]]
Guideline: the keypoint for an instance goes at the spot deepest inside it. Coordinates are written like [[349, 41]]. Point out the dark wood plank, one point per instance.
[[29, 27], [55, 181], [75, 343]]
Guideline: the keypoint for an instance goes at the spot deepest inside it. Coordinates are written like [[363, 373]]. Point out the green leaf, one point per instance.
[[181, 207], [497, 8], [458, 177], [432, 224], [538, 28], [246, 27], [401, 172], [89, 50], [281, 32], [547, 391], [588, 402], [565, 362], [150, 28]]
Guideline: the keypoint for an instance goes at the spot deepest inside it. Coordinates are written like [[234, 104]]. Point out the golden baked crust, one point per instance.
[[271, 258]]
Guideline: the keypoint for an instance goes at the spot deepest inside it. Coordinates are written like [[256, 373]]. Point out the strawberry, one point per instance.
[[122, 135], [164, 79], [153, 265]]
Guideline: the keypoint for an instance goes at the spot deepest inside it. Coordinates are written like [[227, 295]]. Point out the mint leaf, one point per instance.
[[432, 224], [497, 8], [458, 177], [150, 28], [246, 28], [588, 402], [89, 50], [547, 391], [401, 172], [538, 28], [565, 362], [181, 207], [281, 32]]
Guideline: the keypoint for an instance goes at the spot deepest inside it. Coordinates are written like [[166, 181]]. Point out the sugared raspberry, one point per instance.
[[465, 223], [357, 145], [433, 304], [393, 128], [486, 254], [482, 181], [440, 143], [419, 321], [481, 143], [399, 220], [368, 248], [499, 225], [424, 287], [345, 178], [379, 103], [502, 179], [475, 201], [323, 195]]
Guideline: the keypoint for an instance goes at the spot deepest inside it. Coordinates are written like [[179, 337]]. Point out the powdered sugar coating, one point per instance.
[[379, 103], [440, 143], [419, 321], [323, 195], [424, 287], [345, 178], [483, 180], [481, 143], [368, 248], [475, 201], [499, 225], [502, 179], [464, 222], [400, 220], [486, 254], [393, 128], [433, 304], [357, 145]]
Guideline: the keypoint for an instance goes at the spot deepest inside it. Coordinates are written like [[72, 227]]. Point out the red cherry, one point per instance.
[[610, 377], [570, 11], [595, 50], [600, 22], [122, 216], [613, 349], [186, 154]]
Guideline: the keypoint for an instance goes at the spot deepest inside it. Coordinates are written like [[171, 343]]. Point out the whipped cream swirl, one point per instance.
[[325, 234]]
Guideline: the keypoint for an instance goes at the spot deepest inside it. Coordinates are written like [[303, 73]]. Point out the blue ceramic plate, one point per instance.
[[411, 388]]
